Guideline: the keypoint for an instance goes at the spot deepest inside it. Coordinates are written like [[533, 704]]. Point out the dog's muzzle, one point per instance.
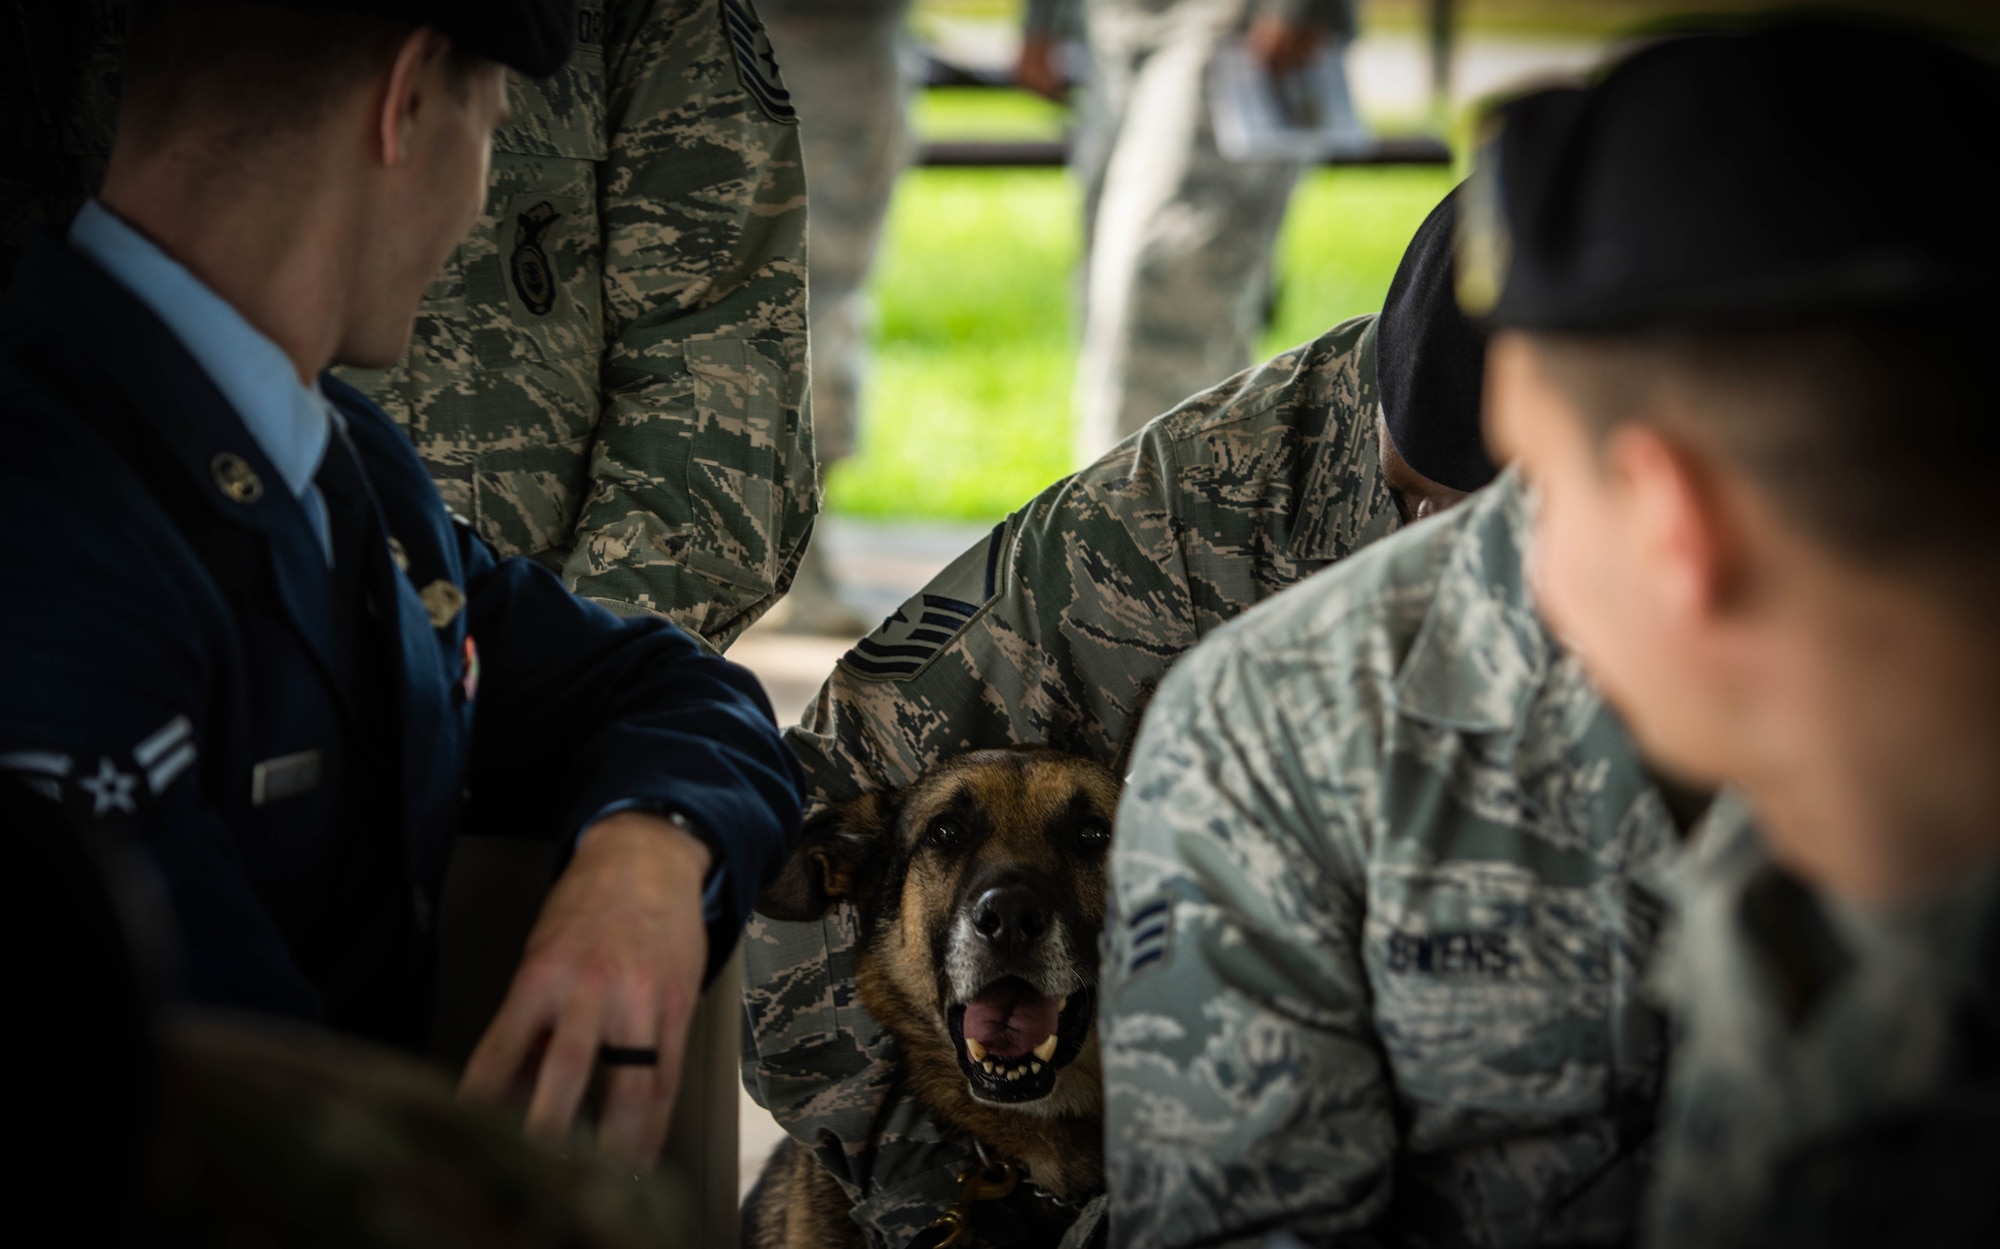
[[1021, 1004]]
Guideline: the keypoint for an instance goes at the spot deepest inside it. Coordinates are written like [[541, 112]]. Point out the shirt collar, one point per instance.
[[288, 419], [1482, 653]]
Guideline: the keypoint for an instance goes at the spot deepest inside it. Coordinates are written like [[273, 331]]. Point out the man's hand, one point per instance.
[[1038, 69], [1285, 45], [615, 959]]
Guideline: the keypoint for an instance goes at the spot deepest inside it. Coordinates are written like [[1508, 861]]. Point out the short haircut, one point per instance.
[[1879, 436], [270, 70]]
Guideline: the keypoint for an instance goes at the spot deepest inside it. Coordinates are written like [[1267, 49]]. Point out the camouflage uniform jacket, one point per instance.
[[1056, 630], [1374, 957], [1837, 1080], [610, 373]]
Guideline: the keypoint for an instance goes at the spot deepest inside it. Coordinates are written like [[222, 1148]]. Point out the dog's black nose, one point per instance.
[[1010, 917]]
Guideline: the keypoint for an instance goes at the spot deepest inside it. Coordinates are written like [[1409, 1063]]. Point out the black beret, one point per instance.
[[1429, 359], [1808, 169], [532, 36]]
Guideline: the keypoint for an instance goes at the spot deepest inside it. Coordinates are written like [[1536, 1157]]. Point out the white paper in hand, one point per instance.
[[1305, 115]]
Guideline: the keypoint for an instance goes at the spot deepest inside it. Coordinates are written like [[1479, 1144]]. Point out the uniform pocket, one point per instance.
[[1493, 991]]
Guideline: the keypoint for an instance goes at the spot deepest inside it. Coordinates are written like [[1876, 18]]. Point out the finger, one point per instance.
[[566, 1068], [631, 1094], [645, 1133], [674, 1022], [503, 1051]]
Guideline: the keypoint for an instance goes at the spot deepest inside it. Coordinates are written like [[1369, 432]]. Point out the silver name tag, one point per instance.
[[287, 776]]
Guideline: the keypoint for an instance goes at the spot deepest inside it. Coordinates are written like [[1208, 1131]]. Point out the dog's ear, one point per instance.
[[830, 858]]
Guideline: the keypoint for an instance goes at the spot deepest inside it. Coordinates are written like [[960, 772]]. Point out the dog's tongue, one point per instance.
[[1010, 1019]]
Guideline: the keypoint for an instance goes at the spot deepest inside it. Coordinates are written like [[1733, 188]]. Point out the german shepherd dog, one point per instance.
[[979, 891]]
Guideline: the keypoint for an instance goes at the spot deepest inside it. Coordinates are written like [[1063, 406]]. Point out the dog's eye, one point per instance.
[[946, 836], [1095, 834]]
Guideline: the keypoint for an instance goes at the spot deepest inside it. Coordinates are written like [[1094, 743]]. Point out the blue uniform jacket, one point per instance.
[[181, 677]]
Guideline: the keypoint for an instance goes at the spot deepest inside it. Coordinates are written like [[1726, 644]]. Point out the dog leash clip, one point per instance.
[[989, 1182]]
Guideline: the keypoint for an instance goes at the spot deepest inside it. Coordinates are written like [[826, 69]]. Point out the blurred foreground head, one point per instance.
[[1429, 358], [145, 1123], [357, 130], [1743, 315]]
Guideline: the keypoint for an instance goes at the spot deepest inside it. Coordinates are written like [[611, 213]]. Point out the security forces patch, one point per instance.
[[757, 61], [905, 642], [534, 276]]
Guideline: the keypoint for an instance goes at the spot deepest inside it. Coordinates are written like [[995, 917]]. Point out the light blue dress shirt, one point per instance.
[[290, 421]]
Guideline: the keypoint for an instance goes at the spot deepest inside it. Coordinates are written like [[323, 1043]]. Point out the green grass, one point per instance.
[[968, 394], [983, 113]]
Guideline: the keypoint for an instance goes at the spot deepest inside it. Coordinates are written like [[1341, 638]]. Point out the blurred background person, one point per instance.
[[845, 64], [1177, 280]]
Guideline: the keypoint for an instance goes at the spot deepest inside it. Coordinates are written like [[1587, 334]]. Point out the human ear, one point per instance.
[[407, 92], [1680, 529]]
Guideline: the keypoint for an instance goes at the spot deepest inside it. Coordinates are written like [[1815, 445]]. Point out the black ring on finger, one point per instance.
[[628, 1055]]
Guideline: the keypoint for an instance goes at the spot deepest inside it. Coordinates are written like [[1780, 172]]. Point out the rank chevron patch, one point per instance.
[[905, 642], [757, 62]]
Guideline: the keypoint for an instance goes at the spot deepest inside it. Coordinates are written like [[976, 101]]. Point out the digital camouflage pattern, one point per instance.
[[1054, 631], [1178, 239], [610, 373], [1837, 1076], [844, 62], [1380, 913], [273, 1136]]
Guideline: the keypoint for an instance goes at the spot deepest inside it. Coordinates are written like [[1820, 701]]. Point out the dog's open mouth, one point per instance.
[[1012, 1039]]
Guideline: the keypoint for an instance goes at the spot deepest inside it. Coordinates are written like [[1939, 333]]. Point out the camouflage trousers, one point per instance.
[[843, 64], [1177, 239]]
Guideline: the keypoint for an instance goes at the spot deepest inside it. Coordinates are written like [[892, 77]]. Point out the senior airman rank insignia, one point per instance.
[[101, 786], [1149, 934], [757, 62]]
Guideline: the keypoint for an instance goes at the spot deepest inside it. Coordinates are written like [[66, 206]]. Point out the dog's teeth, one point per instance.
[[989, 1067], [1062, 1004], [975, 1049], [1014, 1073], [1037, 1067], [1046, 1051]]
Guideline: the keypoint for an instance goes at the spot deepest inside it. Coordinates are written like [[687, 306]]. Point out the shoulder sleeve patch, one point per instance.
[[757, 61], [908, 640]]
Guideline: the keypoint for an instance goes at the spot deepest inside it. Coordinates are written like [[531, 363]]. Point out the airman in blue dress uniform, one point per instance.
[[239, 619]]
